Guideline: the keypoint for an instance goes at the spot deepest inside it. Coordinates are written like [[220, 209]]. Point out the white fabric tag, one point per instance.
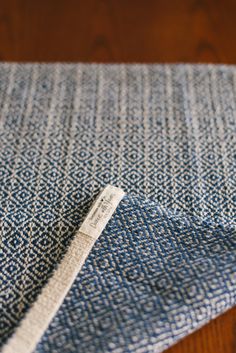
[[101, 211]]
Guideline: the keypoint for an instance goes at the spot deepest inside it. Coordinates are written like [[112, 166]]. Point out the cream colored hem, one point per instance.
[[38, 318]]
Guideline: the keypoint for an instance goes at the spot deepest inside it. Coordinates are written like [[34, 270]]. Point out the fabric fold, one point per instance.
[[152, 277]]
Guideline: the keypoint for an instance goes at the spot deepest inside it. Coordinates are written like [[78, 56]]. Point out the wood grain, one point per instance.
[[128, 31], [118, 30]]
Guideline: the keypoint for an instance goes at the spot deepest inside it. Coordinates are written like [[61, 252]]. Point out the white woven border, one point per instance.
[[38, 318]]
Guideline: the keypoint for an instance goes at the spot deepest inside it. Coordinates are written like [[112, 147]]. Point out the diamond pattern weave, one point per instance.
[[166, 132]]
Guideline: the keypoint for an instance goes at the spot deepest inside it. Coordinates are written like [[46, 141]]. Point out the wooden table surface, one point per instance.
[[128, 31]]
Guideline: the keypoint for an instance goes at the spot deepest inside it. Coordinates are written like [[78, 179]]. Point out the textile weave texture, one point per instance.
[[163, 132], [152, 277]]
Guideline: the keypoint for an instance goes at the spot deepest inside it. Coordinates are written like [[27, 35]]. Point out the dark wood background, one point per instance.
[[128, 31], [118, 30]]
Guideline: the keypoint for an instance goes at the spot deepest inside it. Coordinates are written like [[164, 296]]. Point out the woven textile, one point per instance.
[[152, 277], [166, 132]]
